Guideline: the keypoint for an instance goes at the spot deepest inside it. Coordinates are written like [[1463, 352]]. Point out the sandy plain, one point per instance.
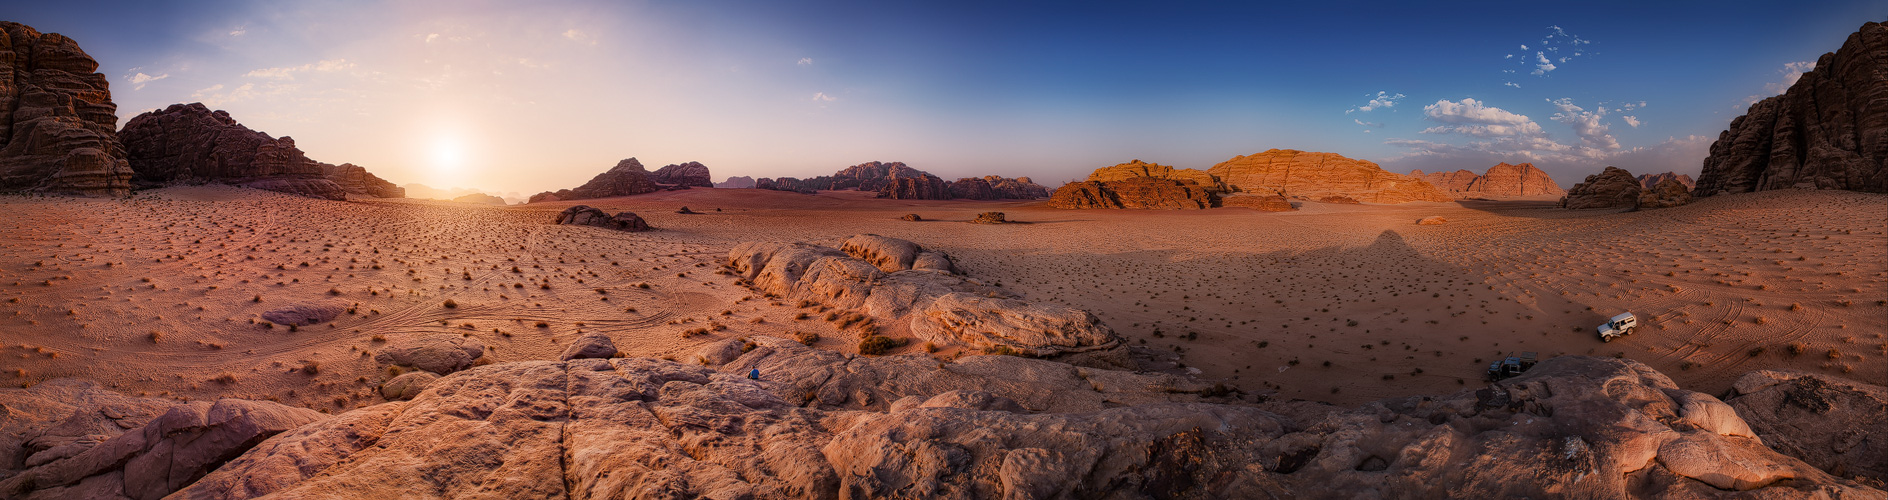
[[161, 293]]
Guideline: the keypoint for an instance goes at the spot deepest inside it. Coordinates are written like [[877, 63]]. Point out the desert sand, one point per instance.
[[162, 294]]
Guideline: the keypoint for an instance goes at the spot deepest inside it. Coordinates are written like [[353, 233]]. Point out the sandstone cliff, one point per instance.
[[1455, 183], [692, 174], [912, 184], [1141, 185], [191, 143], [627, 178], [1137, 168], [1308, 175], [1611, 188], [56, 118], [1826, 132], [992, 187]]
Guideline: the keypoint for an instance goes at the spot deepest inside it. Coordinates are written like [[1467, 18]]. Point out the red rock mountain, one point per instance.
[[1828, 131], [1138, 168], [898, 181], [1611, 188], [56, 118], [1455, 183], [737, 182], [1500, 181], [692, 174], [191, 143], [1310, 175], [1140, 185], [1648, 181], [627, 178]]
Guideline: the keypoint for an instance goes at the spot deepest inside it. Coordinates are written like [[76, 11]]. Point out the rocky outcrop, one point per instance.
[[590, 345], [692, 174], [1611, 188], [914, 185], [1311, 176], [1261, 202], [817, 424], [1668, 193], [627, 178], [56, 118], [1830, 422], [1134, 193], [1136, 168], [1514, 181], [1825, 132], [585, 215], [441, 354], [1649, 180], [191, 143], [1020, 188], [106, 445], [991, 218], [737, 182]]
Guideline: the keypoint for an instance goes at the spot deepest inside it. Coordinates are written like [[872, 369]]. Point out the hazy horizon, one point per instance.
[[508, 98]]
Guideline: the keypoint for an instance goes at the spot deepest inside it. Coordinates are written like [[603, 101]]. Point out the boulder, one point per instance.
[[686, 211], [406, 385], [1133, 193], [990, 218], [684, 174], [1830, 422], [57, 119], [1611, 188], [911, 218], [1263, 203], [1039, 329], [627, 178], [589, 346], [584, 215], [307, 313], [437, 353], [1433, 220], [1825, 132], [1310, 175], [192, 143], [1668, 193]]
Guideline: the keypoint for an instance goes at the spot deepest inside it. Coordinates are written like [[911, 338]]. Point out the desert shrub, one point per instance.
[[876, 345], [807, 338]]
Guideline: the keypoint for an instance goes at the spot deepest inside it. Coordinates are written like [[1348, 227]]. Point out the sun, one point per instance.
[[447, 157]]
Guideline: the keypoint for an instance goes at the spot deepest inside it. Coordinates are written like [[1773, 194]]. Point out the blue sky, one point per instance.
[[523, 97]]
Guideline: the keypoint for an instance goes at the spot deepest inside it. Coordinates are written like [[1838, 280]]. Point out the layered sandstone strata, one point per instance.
[[56, 118], [1311, 175]]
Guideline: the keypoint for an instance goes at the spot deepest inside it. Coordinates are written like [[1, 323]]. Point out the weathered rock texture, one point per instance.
[[1668, 193], [1140, 185], [685, 174], [1137, 169], [914, 185], [435, 353], [1514, 181], [191, 143], [56, 118], [78, 441], [1455, 183], [627, 178], [1830, 422], [585, 215], [737, 182], [868, 176], [1828, 131], [992, 187], [1310, 176], [1649, 180], [822, 425], [1268, 203], [905, 287], [1611, 188]]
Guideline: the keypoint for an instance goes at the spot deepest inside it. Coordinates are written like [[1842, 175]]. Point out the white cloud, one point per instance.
[[239, 31], [1381, 100], [139, 80], [1473, 118], [1556, 39], [213, 88], [822, 97], [576, 35], [431, 36], [288, 73], [1586, 124], [1368, 124], [1631, 120], [805, 61], [1512, 84]]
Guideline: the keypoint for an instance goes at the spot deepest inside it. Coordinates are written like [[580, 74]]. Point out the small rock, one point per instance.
[[911, 217], [407, 385], [1433, 220], [591, 345], [584, 215], [685, 210], [304, 313], [989, 218]]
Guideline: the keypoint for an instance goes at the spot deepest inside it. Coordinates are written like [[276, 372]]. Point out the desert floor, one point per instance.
[[161, 294]]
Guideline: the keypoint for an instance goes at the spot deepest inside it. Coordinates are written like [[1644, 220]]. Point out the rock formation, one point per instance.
[[991, 218], [895, 180], [441, 354], [737, 182], [1261, 202], [191, 143], [686, 174], [1310, 176], [818, 424], [1136, 168], [56, 118], [991, 187], [1136, 193], [1611, 188], [1668, 193], [910, 184], [627, 178], [1455, 183], [481, 199], [585, 215], [1830, 422], [1514, 181], [1825, 132], [1649, 180]]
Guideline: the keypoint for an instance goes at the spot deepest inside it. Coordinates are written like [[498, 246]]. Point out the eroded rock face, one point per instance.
[[1134, 193], [585, 215], [57, 119], [1512, 181], [1825, 132], [1309, 175], [1830, 422], [1668, 193], [1455, 183], [191, 143], [817, 424], [1611, 188], [1038, 329], [627, 178], [685, 174], [914, 185], [1138, 169], [1649, 180], [1267, 203]]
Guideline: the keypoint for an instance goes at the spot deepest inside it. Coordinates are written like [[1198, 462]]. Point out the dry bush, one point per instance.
[[876, 345]]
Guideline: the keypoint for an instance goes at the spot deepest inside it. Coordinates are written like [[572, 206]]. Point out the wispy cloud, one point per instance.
[[288, 73], [1791, 72], [239, 31], [580, 36], [1593, 133], [1631, 120], [1555, 49], [1381, 100], [806, 61], [822, 97], [139, 79]]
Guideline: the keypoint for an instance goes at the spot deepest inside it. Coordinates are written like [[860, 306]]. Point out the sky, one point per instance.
[[522, 97]]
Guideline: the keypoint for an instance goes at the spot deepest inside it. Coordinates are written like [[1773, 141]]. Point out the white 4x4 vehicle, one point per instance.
[[1619, 326]]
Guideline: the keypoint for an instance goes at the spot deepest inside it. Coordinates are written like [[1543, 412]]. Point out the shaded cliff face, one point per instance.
[[1828, 131], [1311, 175], [192, 143], [684, 174], [627, 178], [1649, 180], [56, 118], [1611, 188], [1504, 180]]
